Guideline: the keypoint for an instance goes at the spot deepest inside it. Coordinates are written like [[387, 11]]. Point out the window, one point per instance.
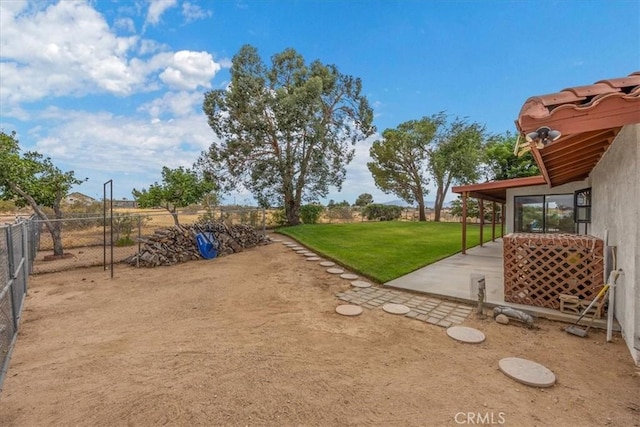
[[545, 214], [582, 202]]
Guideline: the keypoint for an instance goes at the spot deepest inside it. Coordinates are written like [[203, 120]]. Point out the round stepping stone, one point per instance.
[[465, 334], [349, 310], [313, 258], [309, 254], [289, 244], [301, 251], [349, 276], [298, 248], [527, 372], [361, 284], [327, 264], [335, 270], [276, 240], [395, 308]]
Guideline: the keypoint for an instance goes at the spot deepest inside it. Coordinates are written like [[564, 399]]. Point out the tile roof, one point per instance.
[[588, 117]]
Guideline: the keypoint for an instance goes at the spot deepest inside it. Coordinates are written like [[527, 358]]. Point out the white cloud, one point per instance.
[[157, 8], [104, 144], [125, 24], [193, 12], [176, 104], [68, 49], [188, 70], [64, 49]]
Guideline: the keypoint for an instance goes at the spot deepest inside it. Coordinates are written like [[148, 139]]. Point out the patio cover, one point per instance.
[[588, 117]]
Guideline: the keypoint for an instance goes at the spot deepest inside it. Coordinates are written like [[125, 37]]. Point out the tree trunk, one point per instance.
[[174, 213], [55, 228], [56, 235], [420, 199], [421, 214], [437, 209], [292, 211]]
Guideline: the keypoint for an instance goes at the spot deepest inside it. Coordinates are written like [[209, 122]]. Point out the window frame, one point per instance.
[[543, 228]]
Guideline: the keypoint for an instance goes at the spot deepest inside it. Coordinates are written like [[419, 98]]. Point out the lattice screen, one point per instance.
[[538, 268]]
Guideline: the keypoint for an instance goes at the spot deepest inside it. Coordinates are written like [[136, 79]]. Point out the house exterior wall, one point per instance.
[[537, 190], [616, 208], [615, 201]]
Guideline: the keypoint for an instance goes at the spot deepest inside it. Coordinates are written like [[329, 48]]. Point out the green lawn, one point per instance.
[[384, 251]]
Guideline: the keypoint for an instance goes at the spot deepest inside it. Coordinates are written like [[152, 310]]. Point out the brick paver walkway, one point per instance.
[[423, 308]]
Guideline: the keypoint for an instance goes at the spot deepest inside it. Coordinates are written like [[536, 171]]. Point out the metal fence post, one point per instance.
[[25, 255]]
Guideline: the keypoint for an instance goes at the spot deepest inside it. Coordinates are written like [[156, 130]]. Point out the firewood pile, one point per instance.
[[169, 246]]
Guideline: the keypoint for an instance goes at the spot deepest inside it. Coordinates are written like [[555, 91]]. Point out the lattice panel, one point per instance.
[[538, 268]]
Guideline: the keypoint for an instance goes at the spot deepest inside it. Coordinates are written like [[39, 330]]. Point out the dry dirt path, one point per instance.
[[253, 339]]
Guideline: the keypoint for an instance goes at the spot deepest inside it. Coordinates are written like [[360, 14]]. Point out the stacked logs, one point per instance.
[[177, 244]]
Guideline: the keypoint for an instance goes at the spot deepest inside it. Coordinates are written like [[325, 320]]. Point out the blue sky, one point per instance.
[[114, 89]]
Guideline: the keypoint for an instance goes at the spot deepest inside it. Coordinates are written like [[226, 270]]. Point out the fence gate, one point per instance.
[[15, 261]]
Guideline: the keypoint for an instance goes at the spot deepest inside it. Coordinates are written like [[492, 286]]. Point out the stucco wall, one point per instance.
[[616, 208], [537, 190]]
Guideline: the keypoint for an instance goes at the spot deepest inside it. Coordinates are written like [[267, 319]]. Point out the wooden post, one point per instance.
[[464, 222], [481, 213], [493, 221]]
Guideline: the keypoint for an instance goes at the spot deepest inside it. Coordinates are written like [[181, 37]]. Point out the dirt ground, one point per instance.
[[253, 339]]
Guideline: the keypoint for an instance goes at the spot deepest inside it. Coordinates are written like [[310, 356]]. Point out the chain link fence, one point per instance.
[[16, 256], [86, 240]]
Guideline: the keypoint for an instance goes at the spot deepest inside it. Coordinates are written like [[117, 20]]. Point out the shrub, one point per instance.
[[278, 217], [310, 214], [382, 212]]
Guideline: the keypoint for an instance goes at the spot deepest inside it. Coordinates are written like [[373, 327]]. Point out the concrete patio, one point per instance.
[[450, 278]]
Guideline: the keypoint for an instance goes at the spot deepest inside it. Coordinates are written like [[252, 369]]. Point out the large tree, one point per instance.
[[398, 164], [455, 157], [364, 199], [286, 130], [502, 163], [32, 179], [179, 188]]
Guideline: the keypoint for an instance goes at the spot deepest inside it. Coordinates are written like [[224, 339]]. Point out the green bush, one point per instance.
[[278, 217], [382, 212], [310, 214], [125, 241]]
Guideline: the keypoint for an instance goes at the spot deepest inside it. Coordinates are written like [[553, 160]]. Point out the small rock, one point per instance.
[[502, 319]]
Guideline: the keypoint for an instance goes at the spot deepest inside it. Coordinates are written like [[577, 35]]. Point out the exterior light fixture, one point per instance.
[[543, 136]]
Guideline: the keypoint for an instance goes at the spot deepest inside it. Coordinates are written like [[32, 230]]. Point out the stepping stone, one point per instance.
[[361, 284], [349, 276], [349, 310], [298, 248], [465, 334], [289, 244], [395, 308], [327, 264], [313, 258], [276, 240], [301, 251], [335, 270], [527, 372], [309, 254]]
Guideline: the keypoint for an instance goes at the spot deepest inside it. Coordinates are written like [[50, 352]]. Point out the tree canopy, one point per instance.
[[502, 163], [179, 188], [286, 129], [398, 164], [30, 179], [455, 157], [364, 199]]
